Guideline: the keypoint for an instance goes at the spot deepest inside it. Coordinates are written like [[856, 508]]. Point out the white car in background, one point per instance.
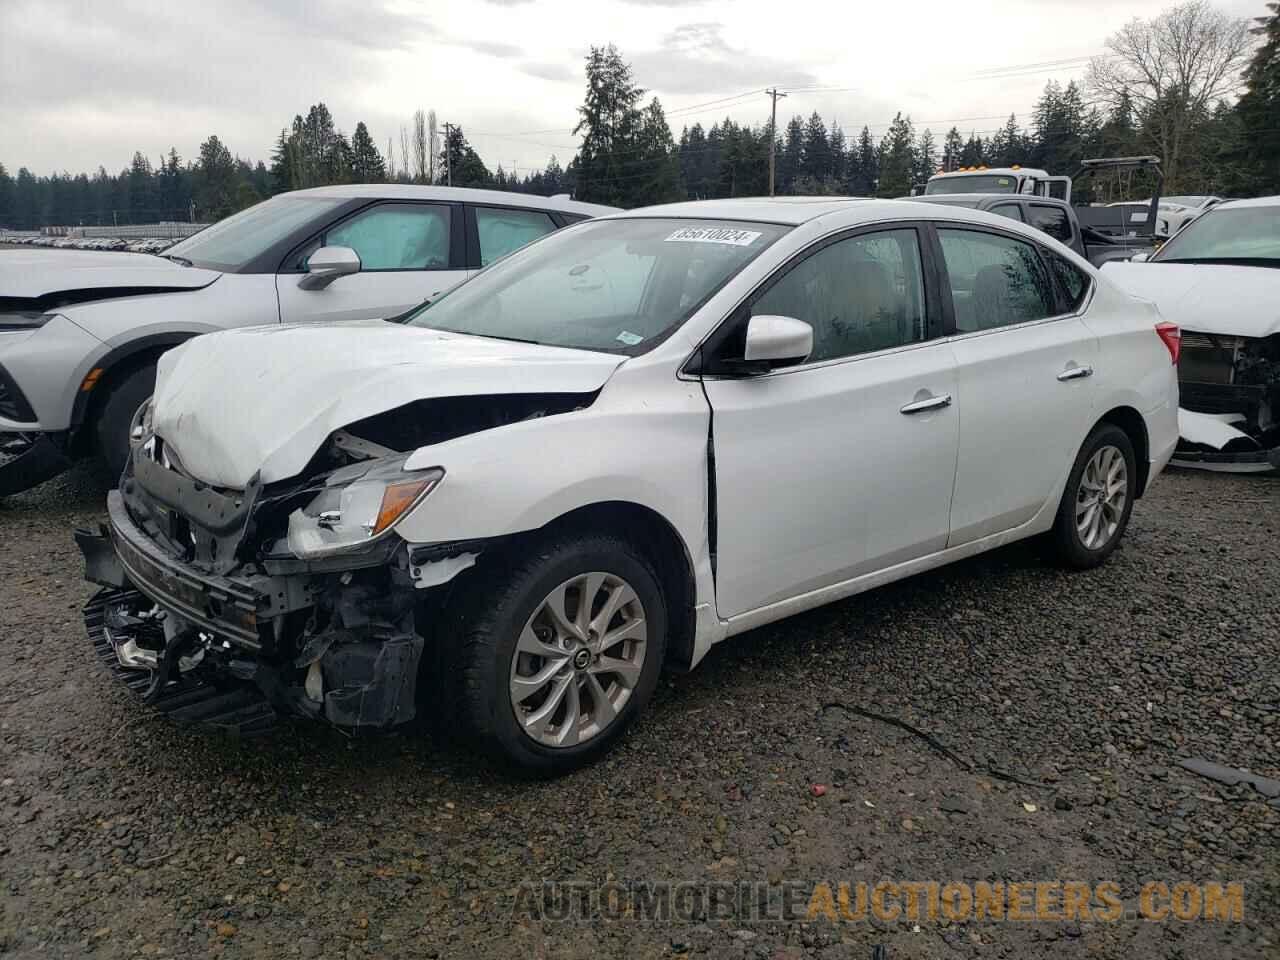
[[616, 448], [1176, 212], [80, 335], [1219, 280]]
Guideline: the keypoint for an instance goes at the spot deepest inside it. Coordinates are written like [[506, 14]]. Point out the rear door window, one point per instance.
[[1051, 220], [502, 231], [1010, 210], [996, 281]]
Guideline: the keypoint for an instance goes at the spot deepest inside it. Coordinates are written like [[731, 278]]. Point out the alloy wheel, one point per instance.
[[1101, 497], [578, 659]]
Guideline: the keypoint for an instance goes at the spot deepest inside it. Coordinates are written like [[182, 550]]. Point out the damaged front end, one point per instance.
[[228, 607], [1229, 416]]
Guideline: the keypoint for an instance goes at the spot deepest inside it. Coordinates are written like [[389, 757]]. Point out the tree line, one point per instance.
[[1193, 86]]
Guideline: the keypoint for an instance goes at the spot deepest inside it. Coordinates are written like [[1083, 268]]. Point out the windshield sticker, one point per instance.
[[735, 238], [631, 339]]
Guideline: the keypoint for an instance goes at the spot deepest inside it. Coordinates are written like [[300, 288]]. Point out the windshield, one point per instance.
[[232, 243], [1244, 234], [612, 285], [979, 183]]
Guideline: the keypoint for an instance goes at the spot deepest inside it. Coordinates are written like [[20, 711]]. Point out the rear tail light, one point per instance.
[[1171, 337]]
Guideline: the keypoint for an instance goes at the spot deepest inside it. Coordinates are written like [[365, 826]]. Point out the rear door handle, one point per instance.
[[1075, 373], [929, 403]]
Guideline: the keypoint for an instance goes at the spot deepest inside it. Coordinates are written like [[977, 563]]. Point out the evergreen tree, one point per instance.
[[6, 198], [864, 168], [952, 150], [926, 159], [1259, 107], [367, 165], [791, 158], [215, 175], [839, 156], [897, 158], [463, 165], [815, 161], [609, 121]]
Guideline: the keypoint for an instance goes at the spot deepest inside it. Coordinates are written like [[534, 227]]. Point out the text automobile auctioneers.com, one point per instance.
[[887, 901]]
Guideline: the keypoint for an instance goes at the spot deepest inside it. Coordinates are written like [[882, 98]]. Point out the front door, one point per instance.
[[1026, 397], [408, 253], [844, 464]]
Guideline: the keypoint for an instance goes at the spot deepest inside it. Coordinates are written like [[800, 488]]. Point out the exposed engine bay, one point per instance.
[[229, 606], [1230, 402]]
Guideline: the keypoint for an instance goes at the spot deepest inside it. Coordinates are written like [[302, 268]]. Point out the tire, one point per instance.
[[116, 415], [1104, 450], [505, 616]]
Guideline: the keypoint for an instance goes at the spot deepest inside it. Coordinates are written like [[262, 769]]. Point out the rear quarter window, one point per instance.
[[1073, 282]]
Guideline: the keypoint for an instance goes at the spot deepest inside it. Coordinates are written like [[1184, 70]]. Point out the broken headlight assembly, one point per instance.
[[359, 505]]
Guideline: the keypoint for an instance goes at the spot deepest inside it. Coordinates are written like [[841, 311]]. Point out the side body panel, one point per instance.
[[1020, 426], [53, 361], [363, 296], [821, 477]]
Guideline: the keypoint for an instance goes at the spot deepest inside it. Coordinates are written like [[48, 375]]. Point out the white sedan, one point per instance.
[[623, 444]]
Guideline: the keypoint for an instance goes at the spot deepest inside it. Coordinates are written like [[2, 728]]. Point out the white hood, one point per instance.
[[266, 398], [38, 273], [1206, 297]]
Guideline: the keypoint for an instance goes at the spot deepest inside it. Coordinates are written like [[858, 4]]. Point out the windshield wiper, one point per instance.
[[176, 259], [1226, 261]]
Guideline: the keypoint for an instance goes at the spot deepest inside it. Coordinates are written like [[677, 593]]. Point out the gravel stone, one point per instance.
[[121, 831]]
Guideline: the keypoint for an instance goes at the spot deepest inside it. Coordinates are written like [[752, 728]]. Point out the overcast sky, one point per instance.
[[87, 82]]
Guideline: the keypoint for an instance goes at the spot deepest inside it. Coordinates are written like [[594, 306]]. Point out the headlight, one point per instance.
[[359, 505]]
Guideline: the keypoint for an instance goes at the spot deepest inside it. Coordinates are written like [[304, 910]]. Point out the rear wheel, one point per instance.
[[116, 415], [559, 652], [1098, 499]]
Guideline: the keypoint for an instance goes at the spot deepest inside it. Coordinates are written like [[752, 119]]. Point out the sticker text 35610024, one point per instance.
[[736, 238]]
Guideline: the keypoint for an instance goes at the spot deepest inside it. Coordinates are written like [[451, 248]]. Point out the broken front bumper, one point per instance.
[[190, 640]]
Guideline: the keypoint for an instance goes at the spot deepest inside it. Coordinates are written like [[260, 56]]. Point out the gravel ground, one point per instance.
[[122, 835]]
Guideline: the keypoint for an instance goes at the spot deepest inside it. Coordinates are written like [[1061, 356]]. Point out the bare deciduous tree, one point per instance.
[[420, 146], [433, 145], [404, 152], [1174, 68]]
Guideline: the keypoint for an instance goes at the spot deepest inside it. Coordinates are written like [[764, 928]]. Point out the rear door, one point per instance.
[[1024, 364], [408, 251]]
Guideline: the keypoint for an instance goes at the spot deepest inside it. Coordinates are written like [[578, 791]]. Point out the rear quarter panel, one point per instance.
[[1134, 367]]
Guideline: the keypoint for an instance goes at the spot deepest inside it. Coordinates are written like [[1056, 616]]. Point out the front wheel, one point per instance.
[[1095, 506], [560, 651], [116, 417]]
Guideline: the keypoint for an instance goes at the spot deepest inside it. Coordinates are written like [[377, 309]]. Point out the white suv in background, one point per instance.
[[80, 332]]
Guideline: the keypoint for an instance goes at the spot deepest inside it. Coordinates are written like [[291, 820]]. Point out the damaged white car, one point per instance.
[[1219, 280], [617, 447]]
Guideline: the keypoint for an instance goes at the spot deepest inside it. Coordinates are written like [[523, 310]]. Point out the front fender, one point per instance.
[[650, 451]]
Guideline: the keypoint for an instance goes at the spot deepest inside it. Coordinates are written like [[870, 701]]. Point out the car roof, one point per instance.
[[961, 199], [1002, 171], [412, 191], [1254, 202], [793, 211], [790, 211]]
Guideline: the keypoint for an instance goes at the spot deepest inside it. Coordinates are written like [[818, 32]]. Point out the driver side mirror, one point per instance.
[[328, 264], [774, 341]]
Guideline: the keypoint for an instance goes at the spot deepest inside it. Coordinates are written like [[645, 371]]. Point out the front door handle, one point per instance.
[[929, 403], [1075, 373]]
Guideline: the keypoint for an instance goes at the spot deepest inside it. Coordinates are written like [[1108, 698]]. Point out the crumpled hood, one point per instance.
[[266, 398], [1206, 297], [39, 273]]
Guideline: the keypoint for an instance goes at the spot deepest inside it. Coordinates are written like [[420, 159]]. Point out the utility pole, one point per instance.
[[448, 159], [773, 132]]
